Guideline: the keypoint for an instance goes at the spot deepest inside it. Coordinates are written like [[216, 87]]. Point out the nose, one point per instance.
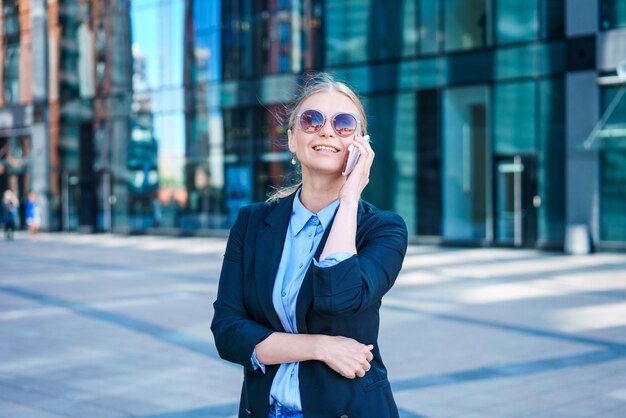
[[327, 130]]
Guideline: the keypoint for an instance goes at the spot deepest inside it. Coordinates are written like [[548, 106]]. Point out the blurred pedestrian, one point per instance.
[[9, 210], [33, 216], [304, 274]]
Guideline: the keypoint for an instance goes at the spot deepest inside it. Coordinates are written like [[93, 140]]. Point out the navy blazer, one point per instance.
[[340, 300]]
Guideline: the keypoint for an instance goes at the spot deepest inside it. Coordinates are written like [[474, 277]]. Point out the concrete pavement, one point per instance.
[[113, 326]]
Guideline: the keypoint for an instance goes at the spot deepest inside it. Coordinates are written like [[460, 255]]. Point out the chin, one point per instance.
[[324, 169]]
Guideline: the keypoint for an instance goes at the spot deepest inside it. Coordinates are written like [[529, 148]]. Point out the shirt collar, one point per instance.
[[301, 215]]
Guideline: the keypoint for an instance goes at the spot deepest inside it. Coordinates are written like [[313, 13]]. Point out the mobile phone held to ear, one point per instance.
[[352, 157]]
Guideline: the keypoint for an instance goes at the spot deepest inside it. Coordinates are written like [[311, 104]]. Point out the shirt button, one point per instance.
[[284, 294], [300, 265]]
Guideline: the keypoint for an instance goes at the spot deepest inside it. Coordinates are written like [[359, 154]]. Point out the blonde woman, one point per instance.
[[304, 274]]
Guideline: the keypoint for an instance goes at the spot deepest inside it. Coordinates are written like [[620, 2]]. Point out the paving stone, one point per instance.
[[117, 326]]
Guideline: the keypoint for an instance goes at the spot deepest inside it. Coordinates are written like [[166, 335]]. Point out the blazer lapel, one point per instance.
[[305, 297], [269, 248]]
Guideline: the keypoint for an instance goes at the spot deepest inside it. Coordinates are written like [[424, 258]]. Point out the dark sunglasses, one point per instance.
[[311, 121]]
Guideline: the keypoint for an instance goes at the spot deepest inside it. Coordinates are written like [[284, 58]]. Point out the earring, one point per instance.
[[293, 160]]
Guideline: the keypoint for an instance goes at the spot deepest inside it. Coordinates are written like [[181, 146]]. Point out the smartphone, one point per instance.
[[352, 157]]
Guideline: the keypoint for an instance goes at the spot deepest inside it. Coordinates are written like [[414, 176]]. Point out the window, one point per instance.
[[514, 118], [551, 162], [429, 26], [465, 163], [11, 29], [466, 24], [613, 171], [613, 14], [516, 21]]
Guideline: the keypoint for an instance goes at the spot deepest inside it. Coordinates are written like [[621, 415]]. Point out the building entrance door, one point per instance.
[[515, 202]]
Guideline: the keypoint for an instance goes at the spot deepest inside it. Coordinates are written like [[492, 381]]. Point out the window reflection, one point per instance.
[[465, 162], [11, 41], [516, 21], [613, 171], [466, 24], [271, 37], [429, 26], [514, 118], [551, 162], [613, 14]]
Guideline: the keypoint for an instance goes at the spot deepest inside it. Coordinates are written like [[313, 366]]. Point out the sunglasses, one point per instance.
[[344, 124]]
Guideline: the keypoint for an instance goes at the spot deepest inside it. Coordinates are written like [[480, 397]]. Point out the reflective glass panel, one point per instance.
[[465, 163], [346, 30], [207, 41], [466, 24], [514, 118], [516, 21], [11, 41], [429, 26], [552, 18], [551, 162], [163, 168], [358, 30], [613, 13], [391, 126], [613, 170]]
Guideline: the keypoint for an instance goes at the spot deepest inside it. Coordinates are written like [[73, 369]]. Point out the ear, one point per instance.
[[291, 141]]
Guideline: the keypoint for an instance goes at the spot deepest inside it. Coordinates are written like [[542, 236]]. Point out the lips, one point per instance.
[[325, 148]]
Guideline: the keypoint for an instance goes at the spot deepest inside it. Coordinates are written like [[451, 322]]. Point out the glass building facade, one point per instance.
[[166, 116]]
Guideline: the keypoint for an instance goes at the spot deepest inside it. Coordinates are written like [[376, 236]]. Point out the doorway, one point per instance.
[[515, 201]]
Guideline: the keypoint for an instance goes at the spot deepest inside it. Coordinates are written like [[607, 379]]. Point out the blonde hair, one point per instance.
[[316, 83]]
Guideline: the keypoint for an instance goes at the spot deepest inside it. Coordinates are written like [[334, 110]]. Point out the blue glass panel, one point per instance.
[[516, 21], [514, 118], [466, 24], [391, 125], [552, 19], [551, 162], [613, 14], [613, 171], [465, 162], [429, 26]]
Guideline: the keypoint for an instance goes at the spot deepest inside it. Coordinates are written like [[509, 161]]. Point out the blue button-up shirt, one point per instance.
[[304, 234]]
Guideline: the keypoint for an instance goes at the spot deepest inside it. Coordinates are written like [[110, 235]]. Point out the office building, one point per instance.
[[495, 122]]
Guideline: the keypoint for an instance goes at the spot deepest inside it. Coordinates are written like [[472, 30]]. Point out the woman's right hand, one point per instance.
[[346, 356]]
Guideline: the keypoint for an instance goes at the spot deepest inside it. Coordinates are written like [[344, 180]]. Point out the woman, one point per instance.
[[9, 209], [33, 218], [304, 274]]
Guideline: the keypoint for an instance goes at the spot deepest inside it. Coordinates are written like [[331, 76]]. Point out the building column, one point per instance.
[[40, 150], [582, 113]]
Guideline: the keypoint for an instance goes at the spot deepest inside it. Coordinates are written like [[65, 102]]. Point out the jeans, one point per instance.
[[279, 411]]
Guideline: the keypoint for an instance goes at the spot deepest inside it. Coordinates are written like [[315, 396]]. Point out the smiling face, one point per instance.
[[323, 151]]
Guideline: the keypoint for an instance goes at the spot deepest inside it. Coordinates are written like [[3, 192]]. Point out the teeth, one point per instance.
[[325, 148]]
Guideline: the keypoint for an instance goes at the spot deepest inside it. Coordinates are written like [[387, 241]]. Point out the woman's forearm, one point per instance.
[[346, 356], [281, 347], [342, 236]]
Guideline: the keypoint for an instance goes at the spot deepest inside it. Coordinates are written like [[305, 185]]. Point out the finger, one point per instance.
[[365, 144], [369, 356], [367, 366], [360, 373], [366, 159]]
